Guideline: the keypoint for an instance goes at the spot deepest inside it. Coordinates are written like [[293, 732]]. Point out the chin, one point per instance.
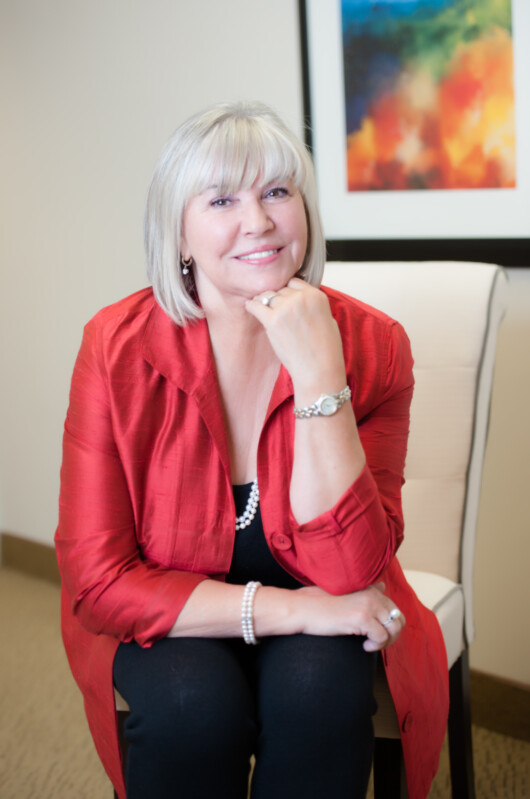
[[274, 281]]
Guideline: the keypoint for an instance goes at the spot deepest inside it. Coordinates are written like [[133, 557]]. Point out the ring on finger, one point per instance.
[[394, 615], [268, 299]]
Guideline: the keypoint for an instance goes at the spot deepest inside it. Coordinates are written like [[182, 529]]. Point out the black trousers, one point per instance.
[[200, 708]]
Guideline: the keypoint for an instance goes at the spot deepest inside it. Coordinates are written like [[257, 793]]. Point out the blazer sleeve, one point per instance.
[[347, 548], [112, 589]]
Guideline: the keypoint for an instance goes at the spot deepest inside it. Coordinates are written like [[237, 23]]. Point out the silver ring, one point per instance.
[[393, 616], [267, 300]]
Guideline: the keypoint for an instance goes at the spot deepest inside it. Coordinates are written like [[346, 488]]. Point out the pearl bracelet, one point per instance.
[[247, 617]]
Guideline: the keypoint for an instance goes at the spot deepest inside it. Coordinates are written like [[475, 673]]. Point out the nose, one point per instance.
[[255, 217]]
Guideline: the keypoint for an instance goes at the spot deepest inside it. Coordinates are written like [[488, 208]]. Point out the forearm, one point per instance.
[[328, 458], [213, 610], [371, 452]]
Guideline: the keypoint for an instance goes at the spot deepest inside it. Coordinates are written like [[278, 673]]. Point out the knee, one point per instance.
[[189, 725], [327, 687], [201, 708], [343, 709]]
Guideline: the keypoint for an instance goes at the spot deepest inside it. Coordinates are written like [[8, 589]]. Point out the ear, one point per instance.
[[184, 249]]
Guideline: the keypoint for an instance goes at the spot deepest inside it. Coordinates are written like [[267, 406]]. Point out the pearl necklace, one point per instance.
[[251, 508]]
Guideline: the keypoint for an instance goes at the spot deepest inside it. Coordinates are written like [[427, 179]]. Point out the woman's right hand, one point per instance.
[[360, 613]]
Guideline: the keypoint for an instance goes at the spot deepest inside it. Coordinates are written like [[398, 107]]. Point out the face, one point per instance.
[[244, 243]]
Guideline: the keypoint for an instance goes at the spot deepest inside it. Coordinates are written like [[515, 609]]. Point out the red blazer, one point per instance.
[[147, 512]]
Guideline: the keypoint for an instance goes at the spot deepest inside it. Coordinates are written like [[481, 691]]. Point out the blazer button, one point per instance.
[[280, 541], [407, 722]]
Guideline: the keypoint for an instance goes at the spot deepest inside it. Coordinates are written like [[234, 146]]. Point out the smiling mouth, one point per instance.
[[257, 255]]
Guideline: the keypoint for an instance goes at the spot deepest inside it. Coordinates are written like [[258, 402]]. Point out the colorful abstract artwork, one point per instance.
[[429, 96]]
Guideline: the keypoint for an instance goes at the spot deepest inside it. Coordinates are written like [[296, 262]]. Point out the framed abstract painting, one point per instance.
[[418, 116]]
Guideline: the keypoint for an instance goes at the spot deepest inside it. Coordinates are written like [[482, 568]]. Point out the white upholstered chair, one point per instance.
[[451, 312]]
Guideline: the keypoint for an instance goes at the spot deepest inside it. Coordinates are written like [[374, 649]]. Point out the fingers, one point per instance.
[[385, 625], [361, 613], [267, 299], [261, 305], [297, 284], [393, 616], [384, 634]]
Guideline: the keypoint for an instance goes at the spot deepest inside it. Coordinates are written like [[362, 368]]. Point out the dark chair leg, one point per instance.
[[389, 769], [124, 744], [459, 727]]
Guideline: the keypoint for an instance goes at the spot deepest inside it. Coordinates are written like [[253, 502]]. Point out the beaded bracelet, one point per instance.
[[247, 617]]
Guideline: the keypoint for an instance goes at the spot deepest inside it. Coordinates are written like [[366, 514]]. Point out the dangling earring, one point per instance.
[[186, 263]]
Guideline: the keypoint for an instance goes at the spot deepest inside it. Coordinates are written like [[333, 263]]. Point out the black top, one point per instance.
[[252, 558]]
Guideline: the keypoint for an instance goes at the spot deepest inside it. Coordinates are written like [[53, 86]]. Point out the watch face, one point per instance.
[[328, 406]]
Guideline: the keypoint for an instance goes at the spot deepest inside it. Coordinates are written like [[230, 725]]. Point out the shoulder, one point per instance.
[[122, 321], [353, 315], [343, 305], [376, 347], [135, 306], [119, 328]]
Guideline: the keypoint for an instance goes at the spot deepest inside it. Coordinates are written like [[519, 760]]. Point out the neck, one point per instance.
[[247, 368], [226, 311], [238, 329]]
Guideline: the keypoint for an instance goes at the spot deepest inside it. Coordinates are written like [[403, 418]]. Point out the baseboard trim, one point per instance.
[[500, 705], [520, 686], [30, 557]]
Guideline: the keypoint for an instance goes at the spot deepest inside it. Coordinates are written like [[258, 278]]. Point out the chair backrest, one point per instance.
[[451, 312]]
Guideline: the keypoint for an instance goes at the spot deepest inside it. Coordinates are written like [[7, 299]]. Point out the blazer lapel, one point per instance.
[[184, 356]]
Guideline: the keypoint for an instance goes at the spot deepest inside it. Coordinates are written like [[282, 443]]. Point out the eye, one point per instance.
[[220, 202], [277, 191]]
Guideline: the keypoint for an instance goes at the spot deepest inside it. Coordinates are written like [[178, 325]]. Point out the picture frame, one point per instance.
[[491, 224]]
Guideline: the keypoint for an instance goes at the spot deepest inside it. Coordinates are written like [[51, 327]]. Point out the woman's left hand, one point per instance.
[[304, 336]]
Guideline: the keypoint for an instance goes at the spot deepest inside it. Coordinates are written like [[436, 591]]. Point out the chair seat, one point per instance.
[[446, 599], [121, 704]]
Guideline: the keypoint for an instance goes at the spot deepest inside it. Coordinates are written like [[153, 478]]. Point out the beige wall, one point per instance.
[[90, 92]]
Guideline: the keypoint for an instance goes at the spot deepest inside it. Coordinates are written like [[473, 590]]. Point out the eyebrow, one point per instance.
[[276, 179]]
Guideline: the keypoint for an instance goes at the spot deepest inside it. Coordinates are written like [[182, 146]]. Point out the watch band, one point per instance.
[[326, 405]]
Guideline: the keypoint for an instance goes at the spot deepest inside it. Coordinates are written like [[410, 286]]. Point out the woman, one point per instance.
[[233, 458]]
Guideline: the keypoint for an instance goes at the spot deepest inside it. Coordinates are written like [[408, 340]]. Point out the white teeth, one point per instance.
[[254, 255]]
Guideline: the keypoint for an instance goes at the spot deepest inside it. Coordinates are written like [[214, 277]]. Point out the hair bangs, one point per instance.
[[238, 152]]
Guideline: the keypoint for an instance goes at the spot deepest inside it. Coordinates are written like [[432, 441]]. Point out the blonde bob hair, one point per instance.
[[230, 146]]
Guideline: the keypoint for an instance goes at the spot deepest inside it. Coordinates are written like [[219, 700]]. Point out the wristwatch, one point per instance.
[[326, 405]]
